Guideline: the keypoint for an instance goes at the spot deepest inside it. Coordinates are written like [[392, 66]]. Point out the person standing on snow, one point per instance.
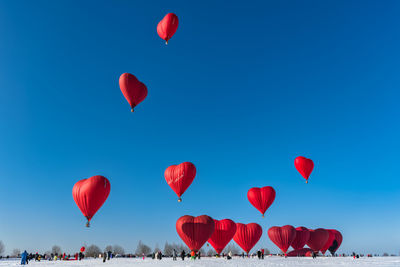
[[24, 259], [104, 256], [174, 255], [183, 254]]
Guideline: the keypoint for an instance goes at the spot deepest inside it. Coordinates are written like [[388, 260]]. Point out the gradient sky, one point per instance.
[[241, 90]]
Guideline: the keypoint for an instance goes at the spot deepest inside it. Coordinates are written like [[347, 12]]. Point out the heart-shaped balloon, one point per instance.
[[261, 198], [304, 166], [302, 236], [247, 235], [179, 177], [329, 242], [134, 90], [282, 236], [167, 27], [318, 238], [336, 242], [195, 231], [223, 233], [90, 194]]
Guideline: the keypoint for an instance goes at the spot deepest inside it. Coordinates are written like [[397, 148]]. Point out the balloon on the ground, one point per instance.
[[303, 252], [329, 242], [90, 194], [318, 238], [133, 90], [167, 27], [261, 198], [195, 231], [83, 249], [282, 236], [336, 242], [304, 166], [223, 233], [247, 235], [179, 177], [302, 236]]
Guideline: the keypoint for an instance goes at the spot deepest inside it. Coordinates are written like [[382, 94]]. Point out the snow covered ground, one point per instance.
[[208, 262]]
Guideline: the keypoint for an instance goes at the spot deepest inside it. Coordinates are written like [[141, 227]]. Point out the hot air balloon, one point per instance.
[[83, 249], [302, 236], [167, 27], [304, 166], [329, 242], [336, 242], [247, 235], [223, 234], [90, 194], [179, 177], [318, 238], [303, 252], [282, 236], [195, 231], [134, 90], [261, 198]]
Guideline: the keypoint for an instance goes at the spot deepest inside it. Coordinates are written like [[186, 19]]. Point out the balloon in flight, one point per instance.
[[133, 90], [90, 194], [179, 177], [167, 27], [304, 166], [261, 198]]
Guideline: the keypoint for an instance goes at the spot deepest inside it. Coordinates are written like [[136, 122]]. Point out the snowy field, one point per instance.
[[208, 262]]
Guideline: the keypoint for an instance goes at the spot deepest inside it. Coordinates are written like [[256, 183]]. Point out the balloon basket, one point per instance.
[[179, 199], [88, 224], [306, 181], [262, 216]]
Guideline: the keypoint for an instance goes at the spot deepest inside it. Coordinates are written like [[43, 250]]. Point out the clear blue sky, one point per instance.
[[241, 90]]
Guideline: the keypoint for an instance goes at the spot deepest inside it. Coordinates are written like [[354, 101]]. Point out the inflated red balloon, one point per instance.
[[302, 236], [328, 243], [318, 238], [304, 166], [167, 27], [336, 242], [303, 252], [247, 235], [179, 177], [90, 194], [134, 90], [282, 236], [223, 233], [261, 198], [195, 231], [82, 249]]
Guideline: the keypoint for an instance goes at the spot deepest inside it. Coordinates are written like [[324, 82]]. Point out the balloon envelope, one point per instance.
[[180, 177], [223, 233], [195, 231], [90, 194], [336, 242], [282, 236], [304, 166], [304, 252], [167, 27], [133, 90], [329, 242], [261, 198], [318, 238], [302, 236], [247, 235]]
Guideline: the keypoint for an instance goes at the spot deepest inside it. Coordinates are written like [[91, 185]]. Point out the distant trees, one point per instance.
[[109, 248], [2, 247], [93, 251], [211, 252], [169, 248], [56, 250], [16, 253], [156, 248], [142, 249], [118, 250], [385, 254], [233, 248]]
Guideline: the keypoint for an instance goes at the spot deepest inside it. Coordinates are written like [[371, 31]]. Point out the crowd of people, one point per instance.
[[26, 258]]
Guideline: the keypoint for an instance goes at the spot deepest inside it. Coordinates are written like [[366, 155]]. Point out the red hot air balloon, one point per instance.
[[195, 231], [90, 194], [223, 234], [167, 27], [247, 235], [303, 252], [302, 236], [179, 177], [336, 242], [261, 198], [328, 243], [304, 166], [83, 249], [282, 236], [317, 239], [134, 90]]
